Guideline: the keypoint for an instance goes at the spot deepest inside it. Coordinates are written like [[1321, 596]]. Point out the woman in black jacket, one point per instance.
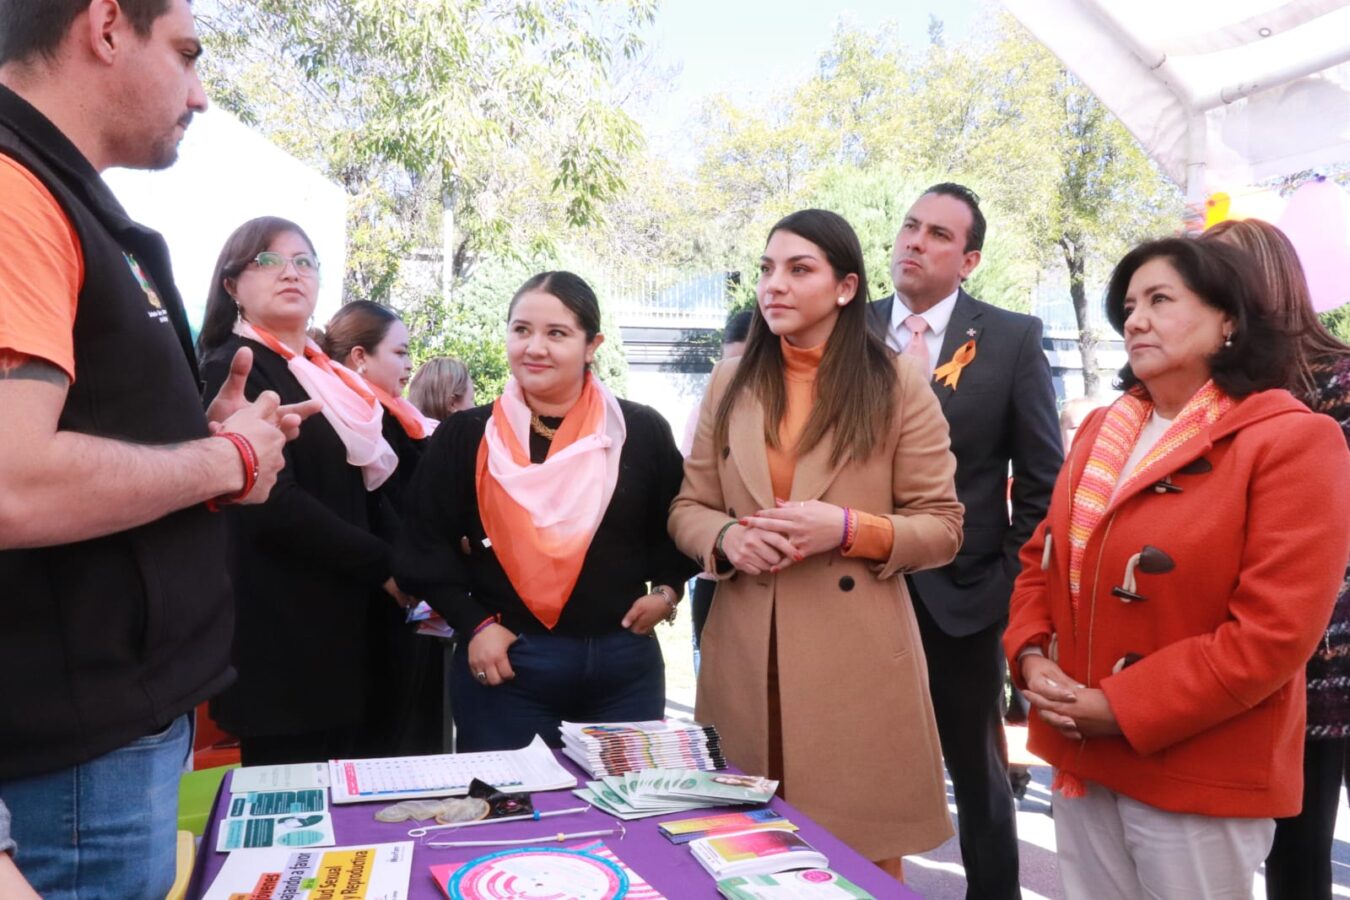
[[307, 565], [408, 674], [537, 527]]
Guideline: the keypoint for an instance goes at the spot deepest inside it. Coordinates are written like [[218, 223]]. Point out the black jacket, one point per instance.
[[441, 556], [1001, 414], [306, 567], [107, 640]]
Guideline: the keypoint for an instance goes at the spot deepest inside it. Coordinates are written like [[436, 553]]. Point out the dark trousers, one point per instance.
[[407, 675], [1299, 864], [617, 677], [965, 678]]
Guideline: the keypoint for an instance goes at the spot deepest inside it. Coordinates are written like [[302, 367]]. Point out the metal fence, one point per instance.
[[666, 299]]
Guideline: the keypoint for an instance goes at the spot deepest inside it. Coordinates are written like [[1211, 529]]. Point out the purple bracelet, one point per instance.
[[844, 539]]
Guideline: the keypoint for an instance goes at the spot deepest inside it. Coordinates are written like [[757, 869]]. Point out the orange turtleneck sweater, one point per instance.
[[876, 534]]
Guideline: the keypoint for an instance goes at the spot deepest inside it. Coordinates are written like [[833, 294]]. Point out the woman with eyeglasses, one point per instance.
[[1168, 603], [308, 565]]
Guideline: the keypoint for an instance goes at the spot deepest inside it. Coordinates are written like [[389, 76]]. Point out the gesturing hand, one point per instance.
[[230, 399], [256, 422], [487, 654], [753, 550], [810, 526]]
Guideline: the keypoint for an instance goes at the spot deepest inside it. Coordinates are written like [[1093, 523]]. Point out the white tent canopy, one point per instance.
[[1219, 92]]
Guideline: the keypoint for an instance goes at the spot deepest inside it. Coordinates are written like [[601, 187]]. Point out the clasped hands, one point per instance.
[[773, 539], [1074, 710]]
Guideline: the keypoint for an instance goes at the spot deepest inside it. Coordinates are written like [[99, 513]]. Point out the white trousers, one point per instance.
[[1113, 848]]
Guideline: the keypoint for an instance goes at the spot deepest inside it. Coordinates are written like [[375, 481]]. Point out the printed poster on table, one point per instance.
[[372, 872]]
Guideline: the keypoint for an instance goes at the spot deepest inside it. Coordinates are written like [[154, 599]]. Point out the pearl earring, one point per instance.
[[361, 369], [842, 301], [1228, 340]]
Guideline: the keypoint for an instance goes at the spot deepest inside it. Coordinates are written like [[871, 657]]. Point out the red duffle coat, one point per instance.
[[1205, 672]]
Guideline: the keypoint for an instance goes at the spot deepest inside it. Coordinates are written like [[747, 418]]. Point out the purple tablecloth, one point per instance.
[[670, 868]]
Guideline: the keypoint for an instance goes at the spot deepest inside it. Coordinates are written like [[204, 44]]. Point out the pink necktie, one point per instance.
[[917, 348]]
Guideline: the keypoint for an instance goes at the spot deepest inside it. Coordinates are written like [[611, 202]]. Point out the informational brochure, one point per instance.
[[276, 819], [372, 872], [279, 778], [532, 768]]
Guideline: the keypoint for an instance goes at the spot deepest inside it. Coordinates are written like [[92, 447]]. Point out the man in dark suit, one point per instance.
[[993, 382]]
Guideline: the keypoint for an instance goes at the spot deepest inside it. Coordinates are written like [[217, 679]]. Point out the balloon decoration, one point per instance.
[[1216, 208], [1317, 221]]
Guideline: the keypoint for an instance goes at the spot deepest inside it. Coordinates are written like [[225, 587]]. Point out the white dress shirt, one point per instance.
[[937, 317]]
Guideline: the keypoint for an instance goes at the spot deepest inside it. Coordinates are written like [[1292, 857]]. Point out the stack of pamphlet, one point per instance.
[[659, 792], [614, 748]]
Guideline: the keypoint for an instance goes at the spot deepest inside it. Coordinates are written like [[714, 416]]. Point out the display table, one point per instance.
[[669, 868]]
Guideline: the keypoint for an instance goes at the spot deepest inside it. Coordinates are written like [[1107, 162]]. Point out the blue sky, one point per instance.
[[749, 48]]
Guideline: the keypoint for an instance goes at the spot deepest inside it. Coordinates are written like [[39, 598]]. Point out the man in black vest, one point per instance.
[[994, 384], [116, 609]]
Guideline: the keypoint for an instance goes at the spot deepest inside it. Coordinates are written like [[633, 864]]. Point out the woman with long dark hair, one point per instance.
[[1299, 864], [307, 565], [537, 527], [820, 472]]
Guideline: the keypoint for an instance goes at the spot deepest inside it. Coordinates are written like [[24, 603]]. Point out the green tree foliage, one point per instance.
[[1337, 322], [463, 130], [1063, 184]]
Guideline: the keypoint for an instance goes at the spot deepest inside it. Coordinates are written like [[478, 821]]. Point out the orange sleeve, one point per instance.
[[876, 536], [41, 270]]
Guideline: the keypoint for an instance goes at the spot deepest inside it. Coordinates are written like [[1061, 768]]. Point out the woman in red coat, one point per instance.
[[1181, 580]]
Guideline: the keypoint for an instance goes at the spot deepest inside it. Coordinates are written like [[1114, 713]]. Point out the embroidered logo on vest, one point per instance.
[[151, 295]]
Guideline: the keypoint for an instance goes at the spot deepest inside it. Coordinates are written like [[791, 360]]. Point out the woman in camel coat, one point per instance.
[[812, 667]]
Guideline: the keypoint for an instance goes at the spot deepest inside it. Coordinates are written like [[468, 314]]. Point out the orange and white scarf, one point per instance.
[[542, 517], [415, 423], [349, 404], [1110, 451]]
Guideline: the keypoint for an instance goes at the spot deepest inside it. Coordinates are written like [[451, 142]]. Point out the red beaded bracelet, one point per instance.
[[249, 457]]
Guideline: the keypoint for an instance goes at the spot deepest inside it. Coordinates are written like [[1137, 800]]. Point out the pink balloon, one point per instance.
[[1317, 220]]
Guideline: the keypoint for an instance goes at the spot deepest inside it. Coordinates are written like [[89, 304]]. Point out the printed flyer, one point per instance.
[[373, 872]]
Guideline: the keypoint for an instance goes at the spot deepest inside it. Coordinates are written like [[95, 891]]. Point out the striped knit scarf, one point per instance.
[[1120, 429]]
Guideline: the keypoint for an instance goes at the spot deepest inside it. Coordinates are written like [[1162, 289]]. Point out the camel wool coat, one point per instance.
[[860, 747]]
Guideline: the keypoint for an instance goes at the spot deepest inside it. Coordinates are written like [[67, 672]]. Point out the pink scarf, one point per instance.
[[541, 517], [348, 403]]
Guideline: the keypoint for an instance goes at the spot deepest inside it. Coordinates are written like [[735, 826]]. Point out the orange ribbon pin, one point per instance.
[[950, 373]]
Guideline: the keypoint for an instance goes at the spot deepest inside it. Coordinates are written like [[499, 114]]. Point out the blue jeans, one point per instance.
[[104, 828], [617, 677]]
